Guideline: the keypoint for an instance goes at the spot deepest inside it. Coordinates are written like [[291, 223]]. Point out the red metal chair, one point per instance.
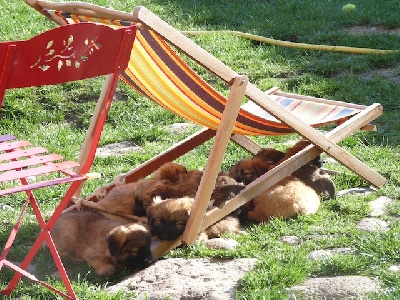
[[67, 53]]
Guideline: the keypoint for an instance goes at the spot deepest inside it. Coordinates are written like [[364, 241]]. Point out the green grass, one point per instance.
[[57, 117]]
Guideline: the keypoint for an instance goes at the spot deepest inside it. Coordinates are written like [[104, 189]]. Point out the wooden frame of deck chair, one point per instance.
[[64, 54], [268, 113]]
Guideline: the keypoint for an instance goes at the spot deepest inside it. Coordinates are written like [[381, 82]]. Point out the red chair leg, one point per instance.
[[45, 236]]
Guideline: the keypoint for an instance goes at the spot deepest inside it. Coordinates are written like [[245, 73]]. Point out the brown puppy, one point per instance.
[[105, 244], [269, 156], [120, 200], [167, 220], [300, 145], [288, 198], [170, 171], [249, 169], [145, 192], [246, 170], [187, 184]]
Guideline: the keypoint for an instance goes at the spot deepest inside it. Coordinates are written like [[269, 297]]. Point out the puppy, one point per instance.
[[145, 192], [317, 179], [170, 171], [104, 244], [120, 200], [317, 161], [167, 220], [187, 184], [269, 156], [249, 169], [288, 198], [246, 170]]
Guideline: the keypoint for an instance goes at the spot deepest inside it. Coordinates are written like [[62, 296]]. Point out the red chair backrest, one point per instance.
[[66, 53]]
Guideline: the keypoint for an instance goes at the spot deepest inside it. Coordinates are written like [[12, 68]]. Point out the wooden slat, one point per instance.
[[38, 171], [13, 145], [36, 185], [320, 100], [36, 160], [22, 153]]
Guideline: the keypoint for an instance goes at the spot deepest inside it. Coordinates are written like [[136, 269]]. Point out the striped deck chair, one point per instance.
[[157, 71]]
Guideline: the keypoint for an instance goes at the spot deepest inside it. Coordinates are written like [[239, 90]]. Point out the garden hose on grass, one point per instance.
[[298, 45]]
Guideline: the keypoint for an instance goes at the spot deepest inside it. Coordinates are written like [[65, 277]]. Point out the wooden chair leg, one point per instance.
[[214, 162]]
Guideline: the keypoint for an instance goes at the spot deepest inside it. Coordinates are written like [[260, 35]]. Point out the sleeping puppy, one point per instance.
[[269, 156], [187, 184], [104, 244], [249, 169], [182, 182], [176, 184], [118, 204], [288, 198], [167, 220], [119, 201], [170, 171], [317, 161]]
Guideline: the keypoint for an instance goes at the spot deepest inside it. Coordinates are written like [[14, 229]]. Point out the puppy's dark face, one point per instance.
[[170, 171], [145, 192], [243, 171], [130, 245], [223, 193], [167, 219]]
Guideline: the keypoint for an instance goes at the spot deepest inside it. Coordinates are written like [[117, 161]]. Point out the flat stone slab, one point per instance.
[[179, 128], [327, 253], [363, 190], [379, 206], [117, 149], [179, 278], [373, 224], [334, 288]]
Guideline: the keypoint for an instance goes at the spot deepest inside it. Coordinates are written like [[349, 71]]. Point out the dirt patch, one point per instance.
[[371, 30], [393, 74]]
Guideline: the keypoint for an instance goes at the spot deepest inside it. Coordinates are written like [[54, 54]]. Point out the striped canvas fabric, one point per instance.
[[159, 73]]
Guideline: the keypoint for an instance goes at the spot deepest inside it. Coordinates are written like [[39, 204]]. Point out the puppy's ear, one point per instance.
[[259, 167], [116, 240], [161, 189]]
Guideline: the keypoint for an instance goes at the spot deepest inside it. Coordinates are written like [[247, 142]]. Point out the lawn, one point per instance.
[[57, 118]]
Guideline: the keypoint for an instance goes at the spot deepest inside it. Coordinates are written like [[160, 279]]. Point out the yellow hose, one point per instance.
[[298, 45]]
